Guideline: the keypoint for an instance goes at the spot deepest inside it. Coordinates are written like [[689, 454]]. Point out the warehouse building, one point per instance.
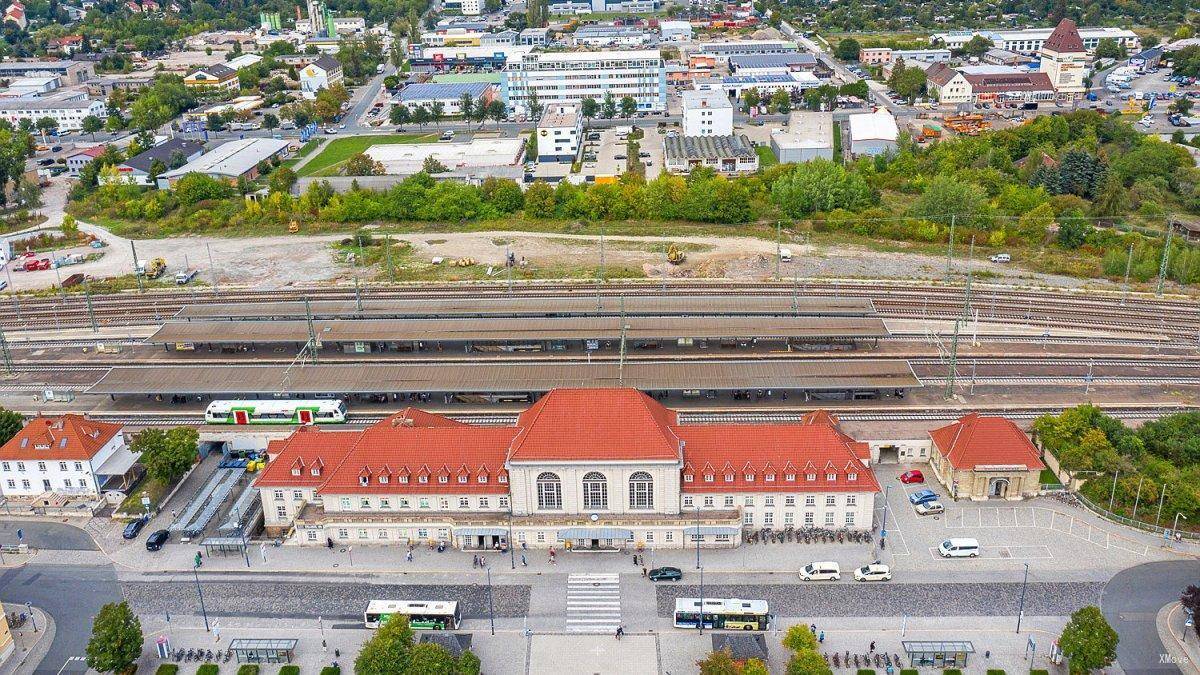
[[71, 72], [1031, 40], [809, 136], [873, 133], [478, 155], [449, 95], [230, 161], [765, 64], [729, 155]]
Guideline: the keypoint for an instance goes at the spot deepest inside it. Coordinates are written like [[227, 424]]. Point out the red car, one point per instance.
[[910, 477]]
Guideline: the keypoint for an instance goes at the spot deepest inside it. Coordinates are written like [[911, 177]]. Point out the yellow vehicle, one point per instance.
[[153, 269], [674, 255]]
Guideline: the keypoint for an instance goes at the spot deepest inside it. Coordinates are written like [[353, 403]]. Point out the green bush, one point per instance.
[[952, 671], [208, 669], [167, 669], [1039, 671], [290, 669], [909, 671], [995, 671], [248, 669], [331, 670], [866, 671]]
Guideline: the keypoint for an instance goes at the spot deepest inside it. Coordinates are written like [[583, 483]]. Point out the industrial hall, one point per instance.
[[587, 469]]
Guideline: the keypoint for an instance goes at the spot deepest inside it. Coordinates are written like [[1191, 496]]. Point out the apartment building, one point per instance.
[[68, 109], [581, 468], [560, 133], [707, 113], [571, 77], [68, 455]]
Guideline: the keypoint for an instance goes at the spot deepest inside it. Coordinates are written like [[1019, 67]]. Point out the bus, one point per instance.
[[723, 613], [422, 614], [276, 412]]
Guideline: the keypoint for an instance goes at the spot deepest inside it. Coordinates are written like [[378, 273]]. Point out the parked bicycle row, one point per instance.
[[808, 535]]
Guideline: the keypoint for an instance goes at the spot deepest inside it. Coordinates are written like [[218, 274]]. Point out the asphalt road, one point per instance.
[[1130, 604], [72, 594], [50, 536]]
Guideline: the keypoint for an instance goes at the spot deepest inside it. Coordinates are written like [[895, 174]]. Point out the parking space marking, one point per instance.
[[1003, 553], [897, 545], [1040, 517]]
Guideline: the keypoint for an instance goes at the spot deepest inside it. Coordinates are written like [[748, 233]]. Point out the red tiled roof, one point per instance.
[[595, 424], [975, 441], [294, 458], [1065, 38], [997, 83], [70, 437], [755, 457]]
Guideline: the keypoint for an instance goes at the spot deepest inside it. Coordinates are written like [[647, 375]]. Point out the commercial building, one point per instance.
[[453, 36], [72, 72], [320, 74], [28, 87], [449, 95], [675, 31], [171, 153], [587, 469], [1031, 40], [1003, 57], [872, 133], [560, 133], [244, 61], [874, 56], [218, 76], [729, 155], [809, 136], [462, 58], [235, 106], [104, 86], [707, 113], [349, 25], [582, 7], [480, 154], [571, 77], [1146, 59], [793, 82], [534, 37], [721, 51], [599, 35], [1065, 61], [66, 108], [1006, 85], [947, 85], [981, 457], [230, 161], [81, 158], [68, 455], [504, 38], [767, 64]]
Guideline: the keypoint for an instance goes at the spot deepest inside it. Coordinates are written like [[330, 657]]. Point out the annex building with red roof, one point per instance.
[[580, 468], [68, 455], [981, 457]]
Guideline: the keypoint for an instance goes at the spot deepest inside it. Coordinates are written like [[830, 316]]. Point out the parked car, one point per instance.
[[135, 527], [821, 571], [156, 539], [665, 574], [922, 496], [959, 548], [910, 477], [873, 572], [929, 508]]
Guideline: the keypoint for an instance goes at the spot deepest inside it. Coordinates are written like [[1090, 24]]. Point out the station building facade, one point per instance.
[[581, 468]]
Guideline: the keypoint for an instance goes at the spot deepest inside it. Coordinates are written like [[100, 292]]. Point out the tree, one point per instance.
[[399, 115], [466, 106], [47, 124], [799, 637], [10, 424], [91, 124], [609, 106], [116, 642], [808, 662], [430, 658], [502, 193], [1109, 48], [468, 664], [820, 185], [497, 111], [847, 49], [781, 102], [976, 46], [437, 112], [1072, 232], [1191, 601], [282, 180], [750, 99], [270, 121], [1182, 105], [590, 108], [1087, 641], [908, 83], [628, 106], [535, 105], [421, 116], [166, 455], [947, 196], [431, 165], [388, 650], [539, 200], [194, 188], [362, 165], [719, 663], [70, 229]]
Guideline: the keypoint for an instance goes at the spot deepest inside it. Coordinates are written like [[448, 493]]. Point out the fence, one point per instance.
[[1130, 522]]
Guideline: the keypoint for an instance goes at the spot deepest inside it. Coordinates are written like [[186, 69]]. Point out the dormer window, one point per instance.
[[810, 477], [770, 478], [831, 476], [316, 471], [423, 479], [296, 471], [728, 478], [483, 479], [789, 477], [443, 479], [403, 479], [364, 480], [749, 478], [851, 476], [462, 479], [383, 480], [687, 477], [708, 478], [503, 478]]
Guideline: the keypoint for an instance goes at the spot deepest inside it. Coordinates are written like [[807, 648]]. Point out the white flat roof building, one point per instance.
[[68, 109], [560, 133], [675, 31], [230, 161], [707, 113], [873, 133], [809, 136], [571, 77], [1030, 40], [406, 159]]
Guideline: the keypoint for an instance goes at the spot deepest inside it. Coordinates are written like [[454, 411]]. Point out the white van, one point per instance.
[[1001, 258], [785, 255], [959, 548], [821, 571]]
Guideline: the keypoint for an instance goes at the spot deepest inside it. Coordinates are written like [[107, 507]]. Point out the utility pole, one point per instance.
[[13, 292], [1113, 497], [950, 248], [387, 252], [778, 247], [1161, 497], [1128, 267], [133, 249], [1021, 609], [312, 331], [970, 275], [8, 364], [357, 297], [600, 271], [87, 296], [1162, 266], [952, 367], [212, 269], [621, 363]]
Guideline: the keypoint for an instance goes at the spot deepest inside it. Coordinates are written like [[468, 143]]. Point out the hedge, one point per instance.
[[167, 669], [290, 669], [208, 669], [331, 670], [866, 671], [248, 669], [909, 671], [1039, 671], [995, 671]]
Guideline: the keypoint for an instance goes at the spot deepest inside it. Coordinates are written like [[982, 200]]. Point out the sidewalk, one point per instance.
[[1181, 642], [29, 647]]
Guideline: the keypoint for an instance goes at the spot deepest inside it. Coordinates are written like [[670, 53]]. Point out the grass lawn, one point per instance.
[[341, 149], [150, 487], [766, 156], [1048, 478]]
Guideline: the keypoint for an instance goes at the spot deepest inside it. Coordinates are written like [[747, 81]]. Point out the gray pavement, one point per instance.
[[1131, 603], [46, 535]]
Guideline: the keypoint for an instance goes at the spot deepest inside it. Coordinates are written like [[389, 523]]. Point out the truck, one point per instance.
[[153, 269], [73, 280], [245, 126], [184, 276]]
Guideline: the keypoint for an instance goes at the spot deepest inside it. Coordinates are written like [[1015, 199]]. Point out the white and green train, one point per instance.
[[276, 412]]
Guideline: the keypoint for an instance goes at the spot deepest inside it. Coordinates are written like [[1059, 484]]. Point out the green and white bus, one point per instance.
[[332, 411], [422, 614]]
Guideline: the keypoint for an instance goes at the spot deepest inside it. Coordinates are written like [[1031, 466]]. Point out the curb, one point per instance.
[[1178, 652], [28, 660]]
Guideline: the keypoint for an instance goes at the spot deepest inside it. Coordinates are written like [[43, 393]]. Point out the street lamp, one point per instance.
[[203, 611], [1175, 527], [883, 528], [512, 551], [1021, 608], [697, 535]]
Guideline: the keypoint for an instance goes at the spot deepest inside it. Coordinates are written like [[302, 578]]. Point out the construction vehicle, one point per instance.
[[152, 270], [968, 124], [293, 227], [929, 132], [675, 256]]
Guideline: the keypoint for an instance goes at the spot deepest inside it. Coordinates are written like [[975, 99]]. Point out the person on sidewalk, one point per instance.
[[523, 563], [872, 649], [408, 556], [645, 572], [620, 632]]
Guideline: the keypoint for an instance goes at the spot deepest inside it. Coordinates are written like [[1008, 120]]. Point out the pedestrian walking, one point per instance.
[[475, 561], [645, 572], [408, 556], [523, 563], [821, 638], [620, 632], [872, 649], [813, 628]]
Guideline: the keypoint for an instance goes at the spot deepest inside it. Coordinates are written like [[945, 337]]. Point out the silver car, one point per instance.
[[929, 508]]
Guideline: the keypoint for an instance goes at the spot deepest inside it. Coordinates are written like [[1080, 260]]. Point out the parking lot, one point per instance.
[[1045, 533]]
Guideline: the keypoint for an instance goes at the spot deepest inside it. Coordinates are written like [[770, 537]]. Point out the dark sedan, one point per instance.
[[135, 527], [666, 574], [156, 540]]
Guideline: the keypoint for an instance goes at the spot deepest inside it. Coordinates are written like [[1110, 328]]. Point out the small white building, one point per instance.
[[320, 74], [675, 31], [809, 136], [405, 159], [707, 113], [31, 86], [873, 133], [68, 455], [560, 133], [598, 35], [729, 155], [793, 82], [243, 61]]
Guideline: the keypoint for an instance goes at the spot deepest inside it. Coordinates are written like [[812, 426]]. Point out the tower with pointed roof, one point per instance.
[[1065, 60]]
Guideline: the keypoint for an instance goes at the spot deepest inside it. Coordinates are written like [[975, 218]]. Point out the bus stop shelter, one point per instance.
[[275, 650], [938, 654]]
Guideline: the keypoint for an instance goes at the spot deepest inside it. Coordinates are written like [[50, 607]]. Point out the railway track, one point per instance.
[[1179, 318]]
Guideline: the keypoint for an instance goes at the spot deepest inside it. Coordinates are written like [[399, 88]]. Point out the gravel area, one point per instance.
[[889, 599], [331, 600]]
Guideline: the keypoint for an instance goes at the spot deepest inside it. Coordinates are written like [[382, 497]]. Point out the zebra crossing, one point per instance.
[[593, 603]]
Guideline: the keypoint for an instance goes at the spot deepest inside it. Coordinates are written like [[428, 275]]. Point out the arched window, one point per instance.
[[549, 491], [641, 491], [595, 491]]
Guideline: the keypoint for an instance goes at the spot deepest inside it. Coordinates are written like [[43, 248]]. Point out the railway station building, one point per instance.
[[580, 469], [980, 457]]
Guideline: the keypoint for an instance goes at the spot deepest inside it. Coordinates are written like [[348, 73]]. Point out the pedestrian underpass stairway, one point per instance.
[[593, 603]]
